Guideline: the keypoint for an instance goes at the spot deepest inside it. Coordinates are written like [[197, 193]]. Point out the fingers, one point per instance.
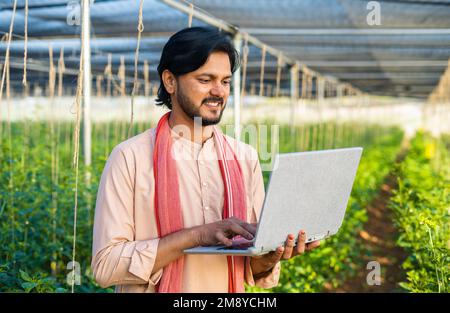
[[275, 257], [267, 261], [223, 239], [289, 246], [239, 230], [251, 228], [312, 245], [300, 248]]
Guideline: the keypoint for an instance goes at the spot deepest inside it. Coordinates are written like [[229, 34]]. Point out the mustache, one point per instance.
[[213, 99]]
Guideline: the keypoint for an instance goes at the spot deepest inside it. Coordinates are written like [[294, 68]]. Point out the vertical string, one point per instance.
[[244, 65], [140, 29], [8, 38], [279, 67], [76, 142], [25, 51], [51, 88], [11, 169], [146, 79], [108, 73], [99, 80], [304, 83], [310, 86], [121, 75], [61, 70], [5, 75], [263, 64], [51, 73]]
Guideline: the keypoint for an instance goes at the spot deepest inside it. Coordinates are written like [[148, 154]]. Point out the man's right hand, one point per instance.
[[223, 231], [171, 246]]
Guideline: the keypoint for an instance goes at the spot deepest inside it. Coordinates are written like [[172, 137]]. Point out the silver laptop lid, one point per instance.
[[307, 190]]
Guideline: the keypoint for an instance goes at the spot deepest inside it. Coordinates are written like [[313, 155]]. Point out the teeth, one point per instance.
[[213, 104]]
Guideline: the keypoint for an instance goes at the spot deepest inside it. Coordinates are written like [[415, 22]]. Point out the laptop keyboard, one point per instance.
[[239, 244]]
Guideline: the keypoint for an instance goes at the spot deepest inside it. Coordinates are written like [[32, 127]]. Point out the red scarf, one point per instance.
[[168, 213]]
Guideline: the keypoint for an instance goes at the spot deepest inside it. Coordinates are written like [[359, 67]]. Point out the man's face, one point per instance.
[[204, 92]]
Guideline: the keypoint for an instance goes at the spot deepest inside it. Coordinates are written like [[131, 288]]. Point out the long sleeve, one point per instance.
[[271, 280], [117, 257]]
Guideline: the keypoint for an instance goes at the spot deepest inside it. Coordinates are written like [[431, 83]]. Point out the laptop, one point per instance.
[[307, 190]]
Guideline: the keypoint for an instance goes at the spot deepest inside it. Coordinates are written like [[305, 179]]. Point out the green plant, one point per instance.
[[422, 214]]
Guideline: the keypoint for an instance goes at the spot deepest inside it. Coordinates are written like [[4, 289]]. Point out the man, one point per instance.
[[171, 188]]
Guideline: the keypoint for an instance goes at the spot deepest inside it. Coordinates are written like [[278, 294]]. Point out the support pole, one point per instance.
[[237, 41], [294, 94], [87, 83]]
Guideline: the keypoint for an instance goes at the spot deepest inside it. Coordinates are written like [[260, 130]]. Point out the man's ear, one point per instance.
[[169, 81]]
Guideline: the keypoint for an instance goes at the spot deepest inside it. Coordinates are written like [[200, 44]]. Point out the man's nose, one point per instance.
[[219, 90]]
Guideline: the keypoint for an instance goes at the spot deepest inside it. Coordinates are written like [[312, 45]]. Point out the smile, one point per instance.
[[213, 104]]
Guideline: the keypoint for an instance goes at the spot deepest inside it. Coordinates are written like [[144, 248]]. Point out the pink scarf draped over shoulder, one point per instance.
[[168, 212]]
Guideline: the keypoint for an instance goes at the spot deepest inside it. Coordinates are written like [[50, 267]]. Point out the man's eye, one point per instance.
[[227, 82], [204, 81]]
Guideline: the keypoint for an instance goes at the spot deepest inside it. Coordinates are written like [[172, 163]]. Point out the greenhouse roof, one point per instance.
[[405, 55]]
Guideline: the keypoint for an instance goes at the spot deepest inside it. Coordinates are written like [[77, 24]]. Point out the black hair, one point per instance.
[[188, 50]]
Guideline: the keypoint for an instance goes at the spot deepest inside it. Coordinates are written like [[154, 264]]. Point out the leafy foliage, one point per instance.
[[37, 230], [422, 209]]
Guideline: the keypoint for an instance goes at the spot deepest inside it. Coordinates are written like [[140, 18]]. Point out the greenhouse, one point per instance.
[[80, 78]]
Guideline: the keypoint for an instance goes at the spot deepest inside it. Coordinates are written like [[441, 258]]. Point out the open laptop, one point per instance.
[[307, 190]]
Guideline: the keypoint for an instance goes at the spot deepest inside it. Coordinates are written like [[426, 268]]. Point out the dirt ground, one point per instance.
[[379, 235]]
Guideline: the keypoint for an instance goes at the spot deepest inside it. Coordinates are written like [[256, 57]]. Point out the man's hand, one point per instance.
[[264, 263], [222, 231]]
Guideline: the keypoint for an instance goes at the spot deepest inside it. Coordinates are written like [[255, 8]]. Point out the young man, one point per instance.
[[174, 187]]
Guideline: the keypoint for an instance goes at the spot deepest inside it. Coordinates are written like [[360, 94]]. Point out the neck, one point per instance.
[[178, 118]]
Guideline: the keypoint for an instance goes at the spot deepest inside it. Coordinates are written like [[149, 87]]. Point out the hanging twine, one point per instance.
[[108, 73], [310, 86], [155, 90], [99, 80], [319, 87], [8, 38], [136, 60], [25, 51], [146, 78], [4, 74], [75, 161], [53, 148], [121, 75], [61, 70], [261, 78], [111, 80], [303, 94], [51, 73], [244, 65], [11, 171], [279, 67], [76, 142]]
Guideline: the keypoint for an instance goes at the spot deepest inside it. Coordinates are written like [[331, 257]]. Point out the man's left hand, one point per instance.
[[264, 263]]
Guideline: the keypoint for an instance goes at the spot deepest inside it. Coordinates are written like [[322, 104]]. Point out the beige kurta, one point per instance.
[[125, 234]]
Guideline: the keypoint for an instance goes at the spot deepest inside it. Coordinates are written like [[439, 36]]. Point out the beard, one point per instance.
[[193, 112]]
